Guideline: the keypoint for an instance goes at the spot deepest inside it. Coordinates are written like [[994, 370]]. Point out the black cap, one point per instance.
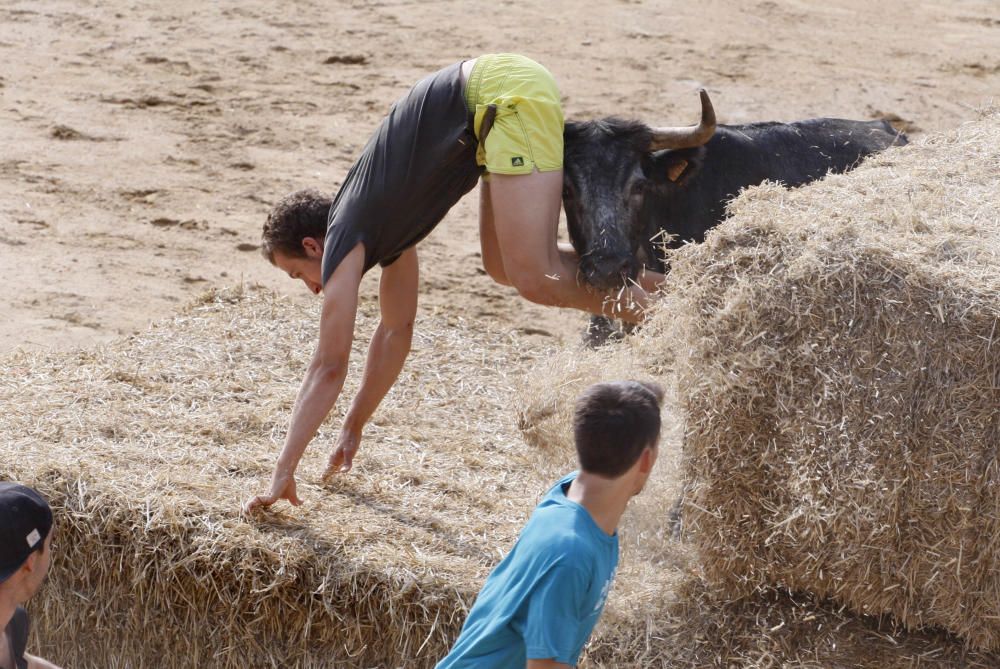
[[25, 522]]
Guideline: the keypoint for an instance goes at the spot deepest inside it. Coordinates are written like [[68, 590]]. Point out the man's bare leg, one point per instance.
[[488, 243], [525, 218]]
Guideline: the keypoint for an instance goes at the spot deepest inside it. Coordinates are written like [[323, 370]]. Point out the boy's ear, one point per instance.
[[647, 459], [29, 563]]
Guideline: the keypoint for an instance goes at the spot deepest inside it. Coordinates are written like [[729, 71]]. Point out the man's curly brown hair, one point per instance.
[[294, 217]]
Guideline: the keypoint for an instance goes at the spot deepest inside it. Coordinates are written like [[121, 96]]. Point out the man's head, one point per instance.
[[25, 540], [616, 427], [293, 236]]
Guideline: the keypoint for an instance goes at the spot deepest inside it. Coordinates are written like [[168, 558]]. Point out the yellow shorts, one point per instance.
[[527, 133]]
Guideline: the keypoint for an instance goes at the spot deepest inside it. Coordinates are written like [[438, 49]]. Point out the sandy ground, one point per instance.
[[142, 143]]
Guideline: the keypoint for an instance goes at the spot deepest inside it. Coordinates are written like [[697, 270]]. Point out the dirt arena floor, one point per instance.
[[143, 143]]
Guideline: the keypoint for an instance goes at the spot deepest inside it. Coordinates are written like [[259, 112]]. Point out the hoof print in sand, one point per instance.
[[346, 59]]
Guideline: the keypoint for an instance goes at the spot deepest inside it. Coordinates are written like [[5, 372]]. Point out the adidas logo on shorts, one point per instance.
[[517, 161]]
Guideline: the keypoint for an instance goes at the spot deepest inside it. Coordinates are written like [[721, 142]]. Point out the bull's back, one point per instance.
[[797, 153], [739, 157]]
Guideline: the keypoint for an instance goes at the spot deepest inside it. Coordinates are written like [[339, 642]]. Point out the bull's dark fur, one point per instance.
[[601, 155], [579, 136], [741, 156]]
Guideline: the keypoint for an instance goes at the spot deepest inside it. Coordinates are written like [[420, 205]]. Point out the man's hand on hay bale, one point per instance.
[[343, 454], [282, 487]]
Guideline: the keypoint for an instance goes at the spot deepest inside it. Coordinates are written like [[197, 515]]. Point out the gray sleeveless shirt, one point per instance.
[[418, 164]]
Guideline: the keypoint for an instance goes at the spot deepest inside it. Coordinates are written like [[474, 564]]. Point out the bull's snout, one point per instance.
[[608, 272]]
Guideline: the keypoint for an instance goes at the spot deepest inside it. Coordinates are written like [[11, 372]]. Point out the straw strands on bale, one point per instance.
[[693, 622], [840, 378], [148, 447]]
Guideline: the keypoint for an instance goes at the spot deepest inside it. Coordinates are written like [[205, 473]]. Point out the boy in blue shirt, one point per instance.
[[540, 604]]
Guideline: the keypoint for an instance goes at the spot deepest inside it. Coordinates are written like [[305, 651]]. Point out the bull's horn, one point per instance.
[[689, 136]]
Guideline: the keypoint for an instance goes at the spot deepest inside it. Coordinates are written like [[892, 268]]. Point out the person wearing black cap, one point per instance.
[[25, 554]]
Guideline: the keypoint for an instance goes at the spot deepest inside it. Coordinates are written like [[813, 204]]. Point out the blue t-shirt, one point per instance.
[[543, 600]]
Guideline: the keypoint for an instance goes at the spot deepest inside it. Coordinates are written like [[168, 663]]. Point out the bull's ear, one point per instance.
[[676, 168]]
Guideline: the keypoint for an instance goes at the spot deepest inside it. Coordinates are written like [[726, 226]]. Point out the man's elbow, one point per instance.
[[546, 664]]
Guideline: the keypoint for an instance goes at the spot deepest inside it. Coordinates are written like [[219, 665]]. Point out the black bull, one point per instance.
[[630, 190]]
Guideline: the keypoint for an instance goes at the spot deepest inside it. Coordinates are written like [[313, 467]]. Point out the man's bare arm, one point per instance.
[[546, 664], [324, 378], [386, 354], [38, 663]]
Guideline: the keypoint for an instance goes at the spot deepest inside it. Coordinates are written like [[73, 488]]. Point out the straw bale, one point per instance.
[[147, 448], [661, 589], [839, 374]]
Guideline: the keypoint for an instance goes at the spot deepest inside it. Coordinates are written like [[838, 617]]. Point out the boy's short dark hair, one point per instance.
[[613, 423], [293, 218]]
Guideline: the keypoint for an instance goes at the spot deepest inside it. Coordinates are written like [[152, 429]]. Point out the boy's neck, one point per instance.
[[604, 499], [7, 607]]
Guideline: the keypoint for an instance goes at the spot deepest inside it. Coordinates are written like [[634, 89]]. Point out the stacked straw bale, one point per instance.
[[839, 372], [148, 447], [691, 622]]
